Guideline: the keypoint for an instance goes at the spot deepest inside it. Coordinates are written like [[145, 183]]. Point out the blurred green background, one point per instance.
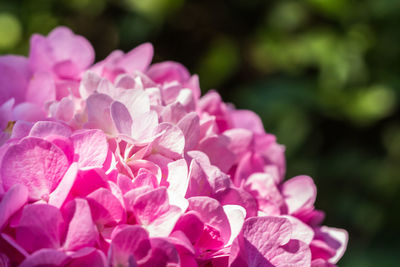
[[324, 75]]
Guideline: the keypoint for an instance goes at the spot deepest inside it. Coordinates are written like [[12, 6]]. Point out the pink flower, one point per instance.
[[123, 163]]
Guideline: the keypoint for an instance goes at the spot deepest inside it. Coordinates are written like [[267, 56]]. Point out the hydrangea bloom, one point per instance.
[[123, 163]]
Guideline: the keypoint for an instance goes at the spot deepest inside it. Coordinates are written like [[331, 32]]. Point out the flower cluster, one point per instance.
[[123, 163]]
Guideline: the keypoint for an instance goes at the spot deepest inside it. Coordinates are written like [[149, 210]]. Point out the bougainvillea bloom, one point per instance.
[[124, 163]]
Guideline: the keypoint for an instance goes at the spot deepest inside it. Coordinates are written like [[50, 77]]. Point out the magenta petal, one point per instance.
[[300, 193], [39, 227], [191, 225], [46, 257], [88, 181], [91, 147], [95, 259], [121, 118], [131, 241], [12, 201], [81, 232], [212, 213], [171, 143], [35, 163], [43, 129], [163, 253]]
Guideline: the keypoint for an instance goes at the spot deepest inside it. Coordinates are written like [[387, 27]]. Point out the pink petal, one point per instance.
[[68, 46], [178, 177], [168, 71], [105, 207], [88, 181], [247, 119], [190, 126], [191, 225], [262, 186], [300, 193], [40, 227], [91, 147], [99, 114], [294, 253], [131, 241], [144, 125], [46, 257], [238, 196], [58, 196], [236, 215], [300, 230], [11, 202], [164, 223], [14, 78], [259, 238], [95, 259], [150, 205], [81, 231], [89, 83], [212, 213], [62, 110], [43, 129], [336, 239], [194, 85], [28, 112], [21, 129], [121, 118], [171, 143], [35, 163], [163, 253], [198, 181], [217, 150], [41, 89], [138, 58], [239, 140]]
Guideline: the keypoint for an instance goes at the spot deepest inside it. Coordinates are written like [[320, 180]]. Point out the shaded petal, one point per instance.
[[105, 207], [12, 201], [46, 257], [132, 240], [212, 213], [163, 253], [81, 231], [39, 227]]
